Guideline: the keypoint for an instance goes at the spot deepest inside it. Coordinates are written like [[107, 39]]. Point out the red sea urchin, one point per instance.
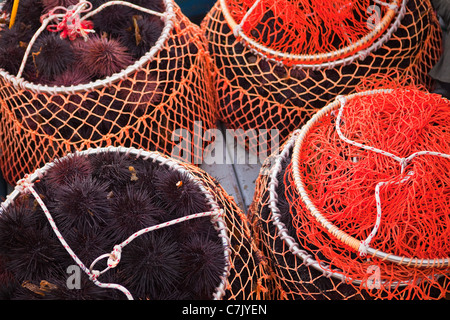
[[103, 56], [72, 76]]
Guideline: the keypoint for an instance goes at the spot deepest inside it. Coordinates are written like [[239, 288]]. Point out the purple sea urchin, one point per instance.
[[52, 55], [25, 249], [95, 210], [132, 211], [28, 12], [142, 34], [12, 47], [112, 19], [179, 194], [67, 169], [206, 262], [50, 4], [82, 205], [113, 168], [151, 265]]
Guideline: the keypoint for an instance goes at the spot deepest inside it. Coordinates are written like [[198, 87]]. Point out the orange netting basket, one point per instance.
[[243, 272], [167, 89], [277, 62], [356, 203]]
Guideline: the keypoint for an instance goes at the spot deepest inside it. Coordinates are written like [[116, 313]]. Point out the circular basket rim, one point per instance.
[[360, 49], [148, 57], [282, 230], [161, 159], [291, 242], [333, 230]]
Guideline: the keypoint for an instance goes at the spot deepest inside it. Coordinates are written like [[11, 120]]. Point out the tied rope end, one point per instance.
[[25, 184], [69, 22], [363, 247]]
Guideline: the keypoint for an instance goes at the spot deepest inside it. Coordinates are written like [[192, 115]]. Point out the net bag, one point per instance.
[[158, 81], [137, 222], [356, 203], [278, 62]]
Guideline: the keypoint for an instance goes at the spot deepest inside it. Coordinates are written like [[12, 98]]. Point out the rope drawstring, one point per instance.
[[403, 162]]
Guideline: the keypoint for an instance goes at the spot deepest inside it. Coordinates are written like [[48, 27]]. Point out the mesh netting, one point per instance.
[[168, 88], [278, 62], [363, 218], [249, 277], [327, 26], [152, 216]]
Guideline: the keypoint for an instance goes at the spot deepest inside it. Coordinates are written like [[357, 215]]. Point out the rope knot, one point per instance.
[[363, 247], [69, 22], [24, 184], [403, 164], [114, 257], [94, 275]]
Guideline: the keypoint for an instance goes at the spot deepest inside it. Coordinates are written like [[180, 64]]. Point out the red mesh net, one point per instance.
[[142, 110], [329, 186], [261, 84], [326, 26]]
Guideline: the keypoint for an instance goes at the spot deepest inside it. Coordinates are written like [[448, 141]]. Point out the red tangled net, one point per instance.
[[393, 145], [356, 205], [276, 62]]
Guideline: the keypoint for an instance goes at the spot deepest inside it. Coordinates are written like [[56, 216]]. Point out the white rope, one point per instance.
[[403, 163], [115, 255], [26, 184]]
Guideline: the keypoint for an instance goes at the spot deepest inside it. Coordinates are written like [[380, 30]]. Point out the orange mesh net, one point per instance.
[[142, 110], [249, 277], [245, 276], [363, 218], [290, 58]]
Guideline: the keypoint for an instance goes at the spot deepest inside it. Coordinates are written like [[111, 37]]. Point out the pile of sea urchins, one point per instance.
[[98, 200]]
